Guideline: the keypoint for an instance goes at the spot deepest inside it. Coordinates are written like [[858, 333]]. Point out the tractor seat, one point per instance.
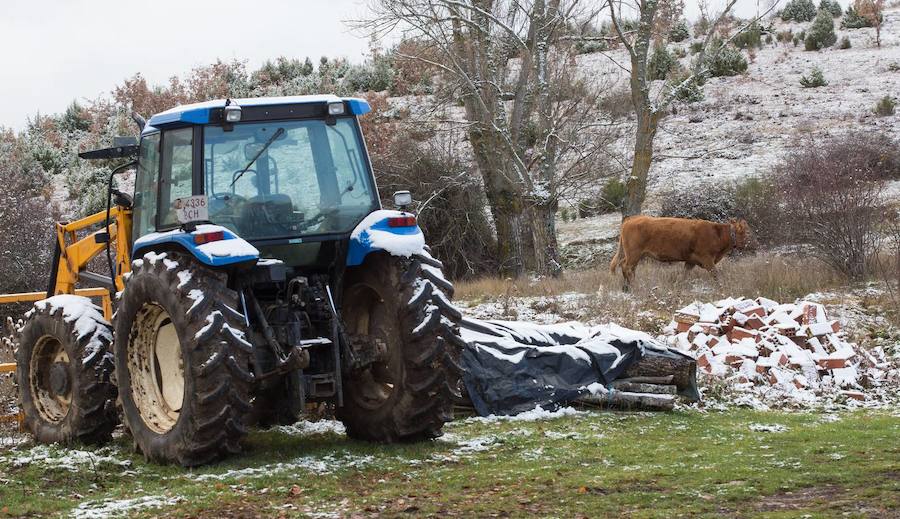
[[259, 212]]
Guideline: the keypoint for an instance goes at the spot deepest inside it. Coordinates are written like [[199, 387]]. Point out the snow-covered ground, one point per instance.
[[746, 122]]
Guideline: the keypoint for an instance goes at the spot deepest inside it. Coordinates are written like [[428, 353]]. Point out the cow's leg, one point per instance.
[[711, 268], [688, 267], [628, 265]]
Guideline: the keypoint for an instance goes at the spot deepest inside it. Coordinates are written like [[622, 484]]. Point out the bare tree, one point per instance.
[[649, 109], [833, 200], [872, 11], [528, 113]]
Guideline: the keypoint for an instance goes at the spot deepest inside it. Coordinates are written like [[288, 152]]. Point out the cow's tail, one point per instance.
[[616, 260]]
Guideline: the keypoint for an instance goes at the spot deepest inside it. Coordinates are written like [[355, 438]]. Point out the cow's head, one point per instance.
[[740, 232]]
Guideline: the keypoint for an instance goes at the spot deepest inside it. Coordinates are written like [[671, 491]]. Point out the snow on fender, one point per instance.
[[374, 233]]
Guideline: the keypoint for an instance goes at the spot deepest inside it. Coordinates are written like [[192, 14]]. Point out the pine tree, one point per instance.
[[821, 34]]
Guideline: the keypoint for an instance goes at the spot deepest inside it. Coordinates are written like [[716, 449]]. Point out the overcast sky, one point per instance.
[[57, 51]]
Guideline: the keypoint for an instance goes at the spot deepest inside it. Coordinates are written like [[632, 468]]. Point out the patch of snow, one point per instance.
[[768, 427], [395, 244], [87, 316], [318, 465], [210, 321], [307, 428], [233, 248], [534, 415], [195, 295], [69, 459], [120, 507], [184, 276]]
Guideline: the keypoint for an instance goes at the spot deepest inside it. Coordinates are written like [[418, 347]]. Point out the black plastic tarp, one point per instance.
[[511, 367]]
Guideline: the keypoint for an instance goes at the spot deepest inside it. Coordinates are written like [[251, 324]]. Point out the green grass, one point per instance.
[[594, 464]]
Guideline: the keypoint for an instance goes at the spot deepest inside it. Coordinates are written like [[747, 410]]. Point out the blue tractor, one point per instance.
[[258, 274]]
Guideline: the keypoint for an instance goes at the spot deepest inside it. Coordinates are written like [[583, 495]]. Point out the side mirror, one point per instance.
[[402, 199]]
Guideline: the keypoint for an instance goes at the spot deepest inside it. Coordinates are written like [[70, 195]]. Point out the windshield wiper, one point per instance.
[[269, 142]]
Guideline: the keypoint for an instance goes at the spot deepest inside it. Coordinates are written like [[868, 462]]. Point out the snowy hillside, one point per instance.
[[745, 122]]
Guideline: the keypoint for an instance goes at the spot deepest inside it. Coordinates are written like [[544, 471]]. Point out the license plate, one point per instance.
[[192, 209]]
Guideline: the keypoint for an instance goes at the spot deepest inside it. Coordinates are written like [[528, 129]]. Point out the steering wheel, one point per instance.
[[228, 197]]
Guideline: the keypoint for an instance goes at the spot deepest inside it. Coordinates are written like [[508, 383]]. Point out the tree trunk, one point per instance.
[[526, 229], [647, 124], [663, 363], [543, 256], [509, 222]]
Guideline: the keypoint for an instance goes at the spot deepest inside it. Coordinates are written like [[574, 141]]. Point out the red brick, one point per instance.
[[856, 395], [756, 310], [754, 323], [833, 363], [703, 360], [734, 360], [686, 318], [737, 333], [682, 327], [809, 313], [799, 340]]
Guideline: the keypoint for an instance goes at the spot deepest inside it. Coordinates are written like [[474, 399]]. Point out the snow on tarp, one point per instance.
[[509, 367]]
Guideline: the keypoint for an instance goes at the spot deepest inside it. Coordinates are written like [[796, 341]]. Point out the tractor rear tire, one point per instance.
[[182, 361], [63, 372], [407, 395]]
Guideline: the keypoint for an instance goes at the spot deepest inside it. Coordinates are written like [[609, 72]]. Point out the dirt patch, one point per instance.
[[799, 499], [830, 498]]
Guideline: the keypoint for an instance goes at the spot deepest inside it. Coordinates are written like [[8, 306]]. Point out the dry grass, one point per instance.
[[659, 289], [777, 277]]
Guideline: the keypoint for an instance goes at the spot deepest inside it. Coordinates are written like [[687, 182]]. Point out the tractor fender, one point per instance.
[[229, 250], [374, 233]]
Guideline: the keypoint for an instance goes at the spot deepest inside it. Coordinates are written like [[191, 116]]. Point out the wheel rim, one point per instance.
[[369, 315], [50, 379], [156, 368]]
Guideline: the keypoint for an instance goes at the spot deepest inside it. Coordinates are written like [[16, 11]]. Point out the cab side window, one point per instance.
[[176, 177], [145, 186]]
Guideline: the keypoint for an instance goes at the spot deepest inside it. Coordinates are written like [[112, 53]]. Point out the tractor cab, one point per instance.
[[285, 174]]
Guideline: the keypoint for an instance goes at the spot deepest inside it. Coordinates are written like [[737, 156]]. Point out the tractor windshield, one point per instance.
[[284, 179]]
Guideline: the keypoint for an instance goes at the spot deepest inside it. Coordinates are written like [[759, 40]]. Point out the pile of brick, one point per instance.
[[760, 342]]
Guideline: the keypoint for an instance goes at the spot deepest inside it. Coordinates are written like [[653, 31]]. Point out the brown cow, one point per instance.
[[695, 242]]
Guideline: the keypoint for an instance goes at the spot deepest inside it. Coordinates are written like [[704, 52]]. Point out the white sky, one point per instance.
[[57, 51]]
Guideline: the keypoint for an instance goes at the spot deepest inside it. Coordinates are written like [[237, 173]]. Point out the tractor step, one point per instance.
[[320, 386]]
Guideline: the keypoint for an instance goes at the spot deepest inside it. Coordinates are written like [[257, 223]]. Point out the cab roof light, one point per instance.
[[232, 113], [336, 108]]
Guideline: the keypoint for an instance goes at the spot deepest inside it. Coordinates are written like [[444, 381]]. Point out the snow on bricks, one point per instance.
[[792, 352]]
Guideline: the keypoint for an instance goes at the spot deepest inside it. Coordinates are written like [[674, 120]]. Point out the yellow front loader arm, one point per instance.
[[74, 254], [70, 259]]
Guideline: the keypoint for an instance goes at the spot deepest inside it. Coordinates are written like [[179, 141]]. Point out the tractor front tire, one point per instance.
[[182, 361], [403, 304], [63, 368]]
